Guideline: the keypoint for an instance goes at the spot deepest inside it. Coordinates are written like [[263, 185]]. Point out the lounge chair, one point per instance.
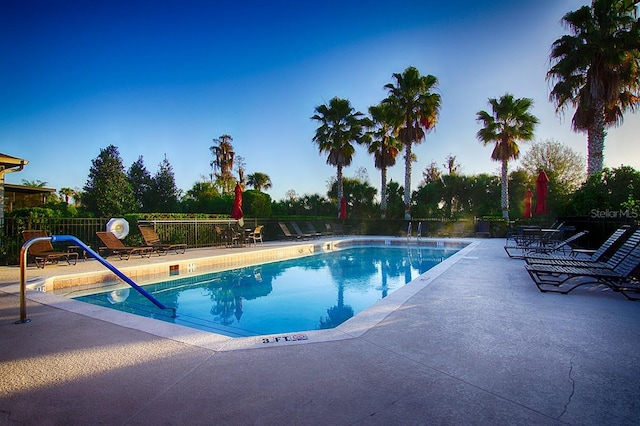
[[256, 235], [596, 256], [299, 232], [44, 252], [114, 246], [287, 234], [541, 268], [537, 240], [525, 239], [312, 230], [548, 247], [335, 228], [564, 279], [152, 239]]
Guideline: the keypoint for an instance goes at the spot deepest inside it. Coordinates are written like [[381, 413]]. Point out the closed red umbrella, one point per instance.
[[236, 213], [527, 203], [343, 208], [542, 187]]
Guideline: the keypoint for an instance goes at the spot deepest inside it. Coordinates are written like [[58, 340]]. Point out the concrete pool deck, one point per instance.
[[477, 344]]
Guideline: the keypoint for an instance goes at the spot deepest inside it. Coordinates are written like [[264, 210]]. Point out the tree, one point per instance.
[[613, 192], [199, 198], [432, 173], [360, 196], [222, 163], [340, 127], [163, 192], [66, 193], [596, 70], [509, 122], [140, 180], [259, 181], [418, 109], [34, 183], [107, 192], [451, 166], [564, 167], [383, 145]]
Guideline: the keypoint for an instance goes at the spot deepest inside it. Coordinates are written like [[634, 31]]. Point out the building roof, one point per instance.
[[8, 163], [27, 190]]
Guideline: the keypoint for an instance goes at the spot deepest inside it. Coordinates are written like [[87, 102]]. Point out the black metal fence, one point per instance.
[[193, 232]]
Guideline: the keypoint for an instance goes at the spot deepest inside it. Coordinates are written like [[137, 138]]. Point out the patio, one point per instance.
[[478, 345]]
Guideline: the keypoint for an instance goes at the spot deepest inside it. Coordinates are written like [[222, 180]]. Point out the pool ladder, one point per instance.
[[70, 238]]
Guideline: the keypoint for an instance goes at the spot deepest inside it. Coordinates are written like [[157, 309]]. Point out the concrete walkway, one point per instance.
[[479, 344]]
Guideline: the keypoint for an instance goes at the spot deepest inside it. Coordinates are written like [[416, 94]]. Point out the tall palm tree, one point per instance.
[[418, 107], [259, 180], [223, 157], [384, 145], [340, 127], [509, 122], [596, 70]]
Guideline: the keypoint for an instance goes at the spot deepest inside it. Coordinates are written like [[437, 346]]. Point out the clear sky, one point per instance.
[[166, 77]]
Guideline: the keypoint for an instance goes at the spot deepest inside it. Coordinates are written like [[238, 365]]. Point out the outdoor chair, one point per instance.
[[312, 230], [597, 255], [43, 251], [564, 279], [152, 239], [335, 228], [533, 239], [256, 235], [299, 232], [112, 245], [548, 247], [287, 234]]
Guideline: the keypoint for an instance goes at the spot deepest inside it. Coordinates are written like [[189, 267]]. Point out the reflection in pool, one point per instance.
[[314, 292]]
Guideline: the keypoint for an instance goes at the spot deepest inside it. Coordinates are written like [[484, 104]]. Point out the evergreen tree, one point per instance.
[[140, 180], [107, 192], [164, 194]]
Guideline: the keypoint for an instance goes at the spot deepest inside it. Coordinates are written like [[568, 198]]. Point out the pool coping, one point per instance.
[[352, 328]]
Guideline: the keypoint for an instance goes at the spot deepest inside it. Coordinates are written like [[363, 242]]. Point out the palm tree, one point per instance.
[[223, 157], [259, 180], [596, 70], [340, 126], [418, 107], [509, 122], [384, 145], [66, 193]]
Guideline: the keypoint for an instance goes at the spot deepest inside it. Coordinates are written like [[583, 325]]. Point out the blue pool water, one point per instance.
[[308, 293]]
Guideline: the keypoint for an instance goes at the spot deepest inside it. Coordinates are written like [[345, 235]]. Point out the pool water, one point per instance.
[[314, 292]]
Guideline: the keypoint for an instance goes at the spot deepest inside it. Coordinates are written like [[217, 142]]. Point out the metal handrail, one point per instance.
[[61, 238]]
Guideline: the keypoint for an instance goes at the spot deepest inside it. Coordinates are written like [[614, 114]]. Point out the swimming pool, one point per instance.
[[314, 292]]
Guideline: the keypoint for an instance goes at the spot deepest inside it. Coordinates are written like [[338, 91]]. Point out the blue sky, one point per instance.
[[166, 77]]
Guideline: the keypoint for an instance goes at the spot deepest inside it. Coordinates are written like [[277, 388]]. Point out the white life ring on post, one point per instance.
[[119, 227]]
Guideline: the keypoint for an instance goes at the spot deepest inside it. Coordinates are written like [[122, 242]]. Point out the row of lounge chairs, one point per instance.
[[612, 265], [43, 252], [310, 233]]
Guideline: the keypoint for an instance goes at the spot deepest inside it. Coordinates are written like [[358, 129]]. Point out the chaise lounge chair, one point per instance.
[[299, 232], [596, 256], [542, 270], [312, 230], [44, 252], [114, 246], [152, 239], [564, 279], [287, 234], [525, 239]]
